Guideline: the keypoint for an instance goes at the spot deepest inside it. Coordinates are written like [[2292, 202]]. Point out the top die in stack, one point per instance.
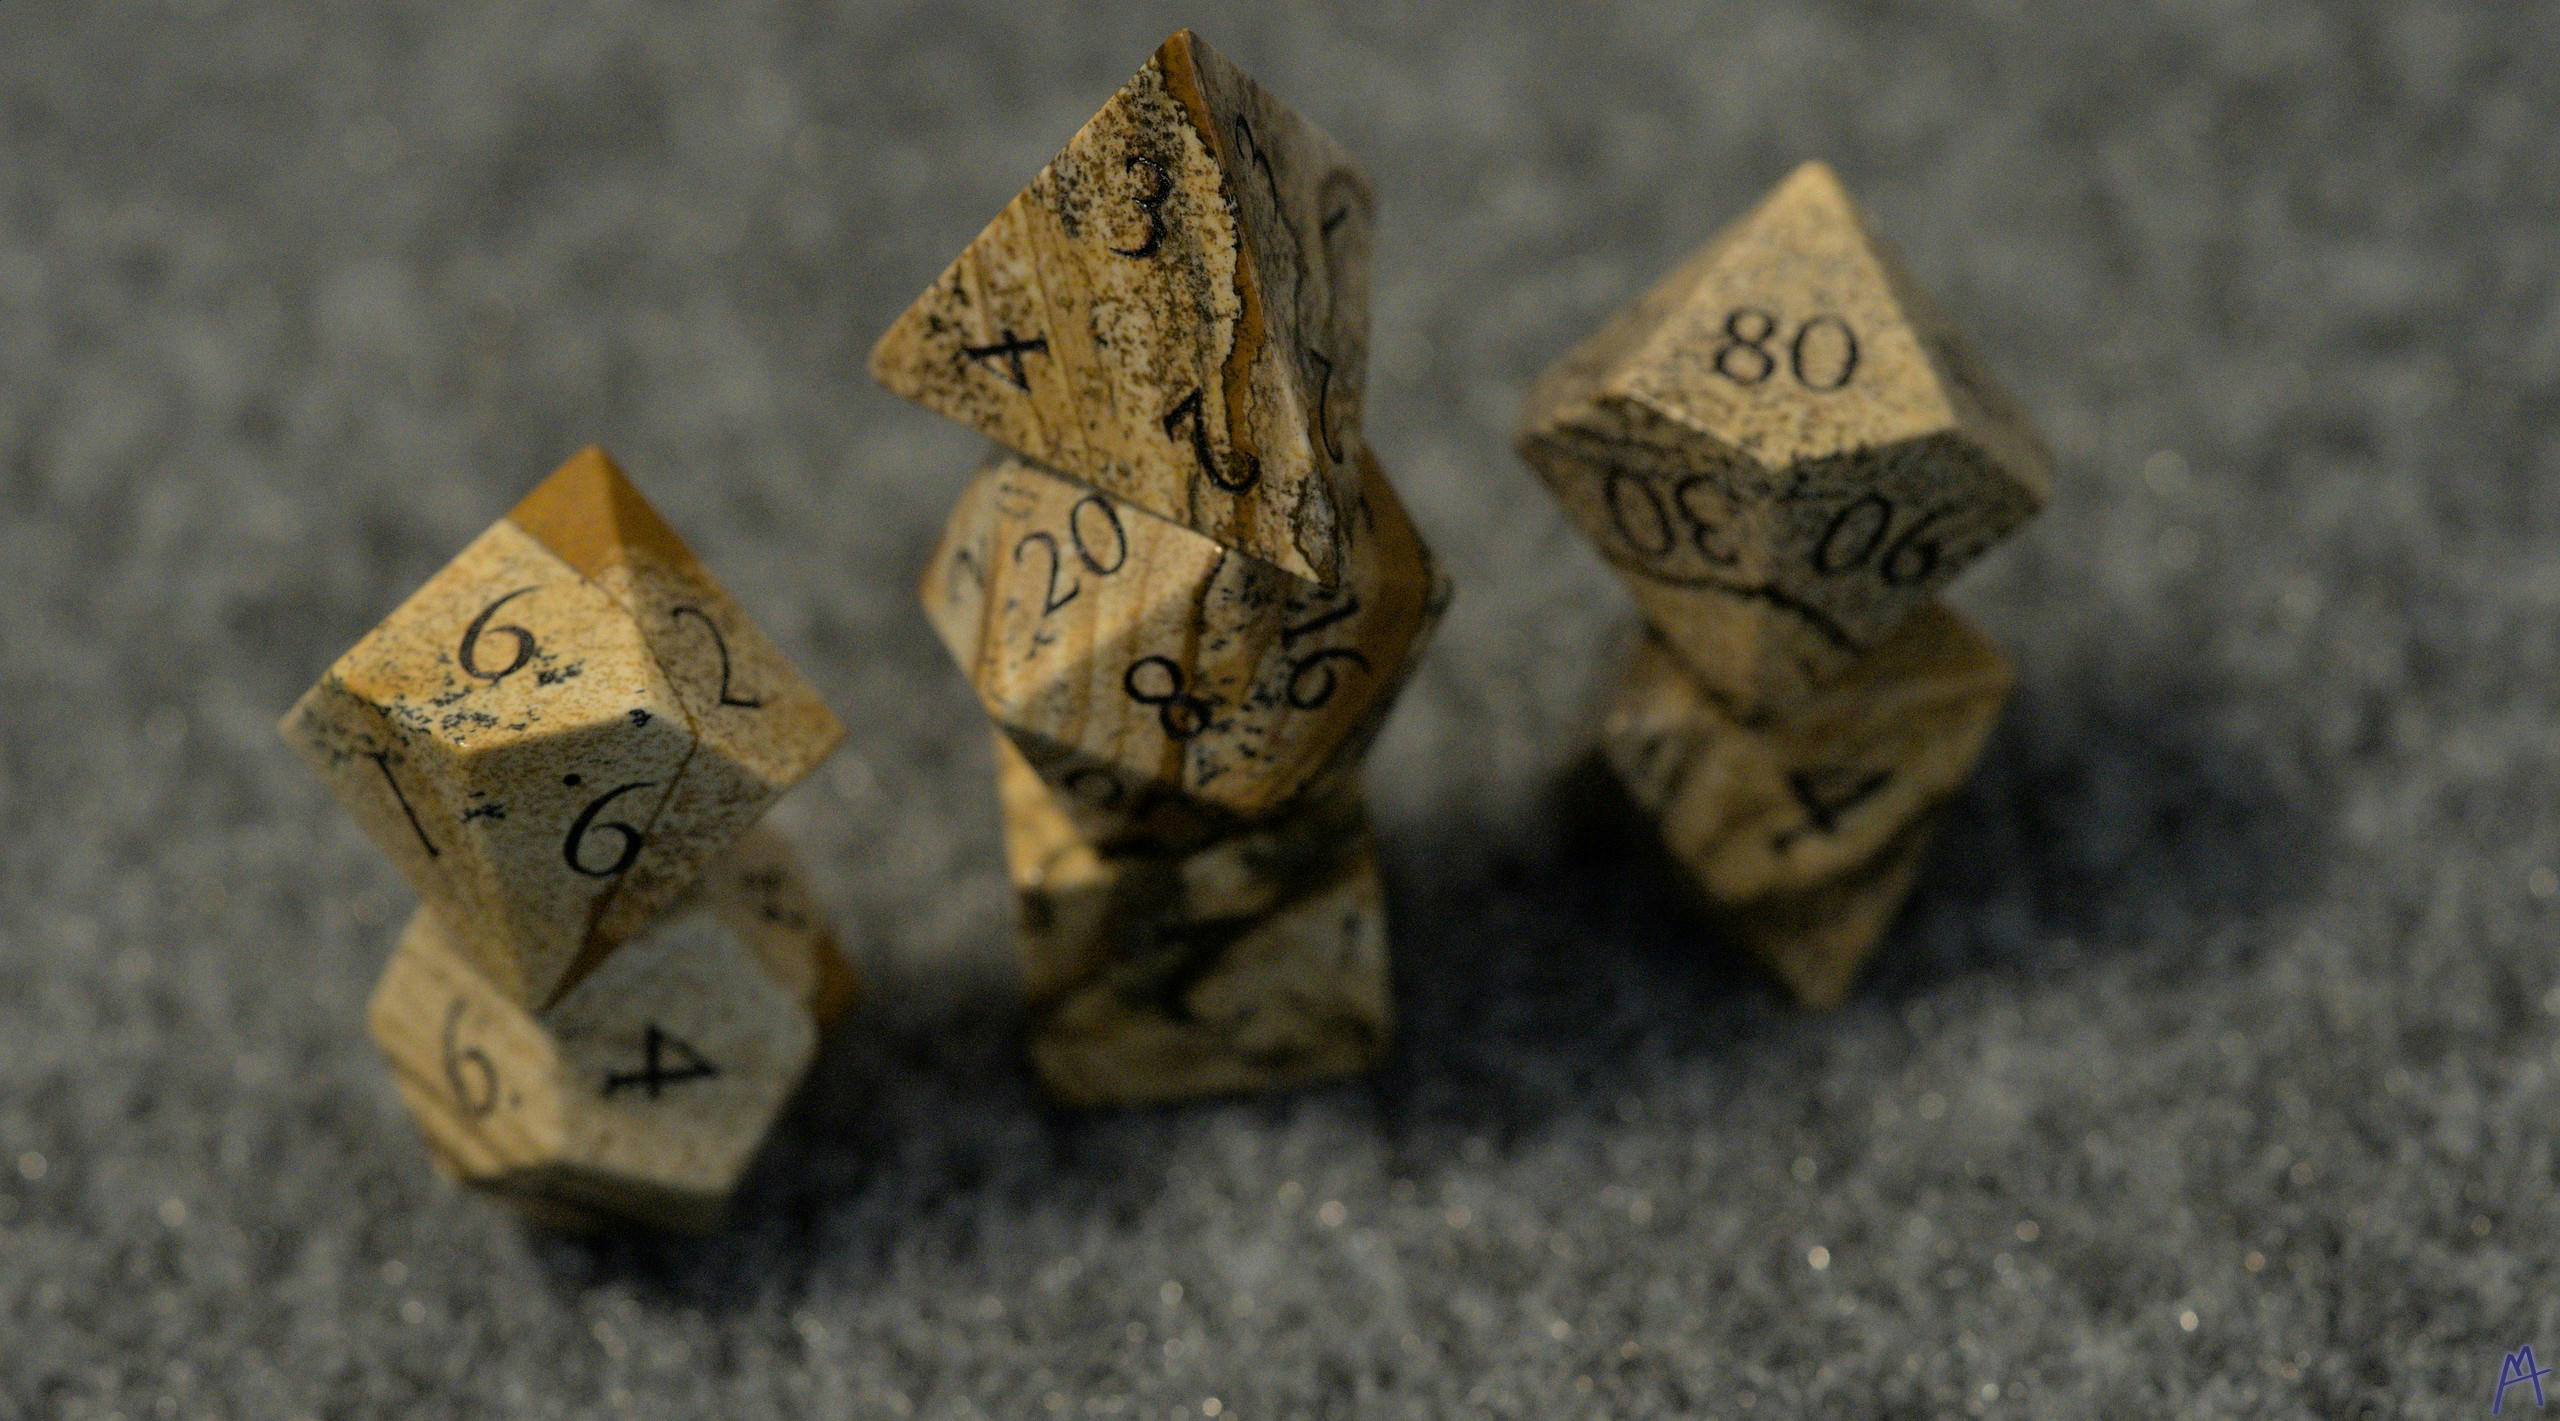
[[1786, 451], [1188, 593]]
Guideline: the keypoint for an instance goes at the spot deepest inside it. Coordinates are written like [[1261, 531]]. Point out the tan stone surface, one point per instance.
[[1175, 310], [1258, 962], [1210, 1006], [1783, 447], [1816, 941], [535, 736], [1079, 902], [763, 726], [477, 774], [1753, 812], [641, 1095], [1166, 685], [759, 892]]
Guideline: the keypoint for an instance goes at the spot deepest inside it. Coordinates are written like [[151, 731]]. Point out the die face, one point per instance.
[[475, 733], [1191, 1005], [1752, 812], [643, 1093], [1145, 670], [747, 702], [1785, 423], [1174, 310]]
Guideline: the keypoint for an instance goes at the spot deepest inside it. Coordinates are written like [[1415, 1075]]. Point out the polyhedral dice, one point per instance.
[[643, 1092], [1257, 962], [1783, 448], [1174, 311], [1803, 833], [559, 731], [1166, 686]]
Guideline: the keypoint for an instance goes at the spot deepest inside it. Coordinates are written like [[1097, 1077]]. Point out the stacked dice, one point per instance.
[[563, 740], [1184, 592], [1786, 452]]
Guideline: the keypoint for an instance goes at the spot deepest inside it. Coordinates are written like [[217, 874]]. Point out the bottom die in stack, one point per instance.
[[1803, 831], [1255, 962], [642, 1093]]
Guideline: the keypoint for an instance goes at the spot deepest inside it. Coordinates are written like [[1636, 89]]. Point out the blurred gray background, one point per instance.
[[2212, 1072]]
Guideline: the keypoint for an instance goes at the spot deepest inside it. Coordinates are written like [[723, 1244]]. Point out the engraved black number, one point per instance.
[[1654, 531], [1656, 519], [1183, 715], [1010, 350], [478, 1102], [1305, 695], [1757, 364], [1858, 530], [1152, 204], [1249, 469], [657, 1045], [1350, 608], [1827, 794], [586, 823], [1855, 533], [1702, 528], [720, 644], [1076, 522], [1848, 365], [1324, 405], [1050, 600], [382, 761], [1255, 155], [469, 652], [1910, 559], [1744, 356]]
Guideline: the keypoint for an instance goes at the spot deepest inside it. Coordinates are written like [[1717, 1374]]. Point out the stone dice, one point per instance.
[[555, 739], [1786, 452], [1187, 595]]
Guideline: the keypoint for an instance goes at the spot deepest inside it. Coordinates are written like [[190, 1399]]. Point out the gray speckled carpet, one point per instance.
[[2213, 1072]]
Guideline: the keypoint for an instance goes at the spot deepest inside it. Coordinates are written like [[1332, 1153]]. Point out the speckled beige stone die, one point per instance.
[[1175, 311], [1783, 447], [641, 1095], [1782, 815], [556, 733], [1168, 686], [1259, 962]]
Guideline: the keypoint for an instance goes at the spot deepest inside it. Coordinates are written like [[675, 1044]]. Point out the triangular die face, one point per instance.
[[1172, 311], [1793, 344], [592, 518], [1984, 411]]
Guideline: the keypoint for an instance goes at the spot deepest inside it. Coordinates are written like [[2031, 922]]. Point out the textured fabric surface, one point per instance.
[[2212, 1071]]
